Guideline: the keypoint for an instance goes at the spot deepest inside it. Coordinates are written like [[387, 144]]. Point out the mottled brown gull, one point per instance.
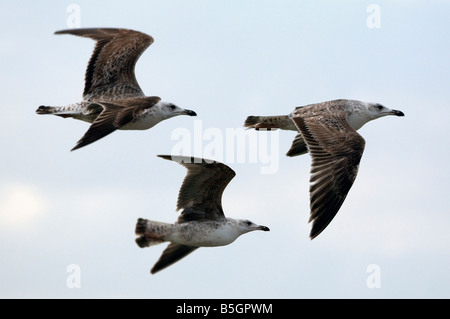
[[202, 222], [328, 131], [112, 98]]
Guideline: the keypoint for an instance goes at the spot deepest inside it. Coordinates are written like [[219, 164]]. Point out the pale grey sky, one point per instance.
[[227, 60]]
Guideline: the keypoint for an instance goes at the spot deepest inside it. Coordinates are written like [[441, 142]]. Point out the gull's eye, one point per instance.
[[248, 223], [172, 107], [380, 107]]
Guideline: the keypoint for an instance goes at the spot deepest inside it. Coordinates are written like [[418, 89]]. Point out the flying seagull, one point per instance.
[[112, 98], [202, 222], [328, 131]]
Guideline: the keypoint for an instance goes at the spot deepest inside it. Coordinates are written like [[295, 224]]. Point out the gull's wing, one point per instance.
[[201, 192], [336, 151], [298, 146], [115, 115], [110, 72], [171, 255]]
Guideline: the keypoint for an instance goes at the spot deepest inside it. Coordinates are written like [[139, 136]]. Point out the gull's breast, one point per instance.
[[204, 234]]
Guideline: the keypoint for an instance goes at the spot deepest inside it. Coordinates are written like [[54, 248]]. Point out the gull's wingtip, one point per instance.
[[167, 157]]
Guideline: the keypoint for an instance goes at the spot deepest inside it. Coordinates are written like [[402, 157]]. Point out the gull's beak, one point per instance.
[[189, 112], [397, 113], [264, 228]]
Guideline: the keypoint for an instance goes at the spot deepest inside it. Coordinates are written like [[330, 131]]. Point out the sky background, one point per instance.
[[227, 60]]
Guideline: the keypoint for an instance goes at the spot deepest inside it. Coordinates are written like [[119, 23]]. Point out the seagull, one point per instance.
[[202, 222], [328, 131], [112, 98]]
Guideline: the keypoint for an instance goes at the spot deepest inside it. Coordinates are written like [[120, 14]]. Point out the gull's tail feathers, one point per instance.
[[46, 109], [151, 233], [270, 122], [56, 110], [85, 111]]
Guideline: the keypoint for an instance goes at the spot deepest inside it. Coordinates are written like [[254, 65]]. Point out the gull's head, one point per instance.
[[167, 110], [377, 110], [246, 226], [364, 112]]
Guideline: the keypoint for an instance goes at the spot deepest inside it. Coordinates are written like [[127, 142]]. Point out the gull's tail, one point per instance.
[[85, 111], [151, 232], [270, 122], [46, 109], [64, 111]]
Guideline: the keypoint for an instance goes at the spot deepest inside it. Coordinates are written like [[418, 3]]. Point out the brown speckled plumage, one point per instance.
[[110, 71], [328, 131], [112, 98], [202, 222]]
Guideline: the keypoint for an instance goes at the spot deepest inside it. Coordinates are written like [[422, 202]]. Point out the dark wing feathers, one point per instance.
[[172, 254], [336, 151], [113, 61], [298, 146], [201, 192], [115, 115]]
